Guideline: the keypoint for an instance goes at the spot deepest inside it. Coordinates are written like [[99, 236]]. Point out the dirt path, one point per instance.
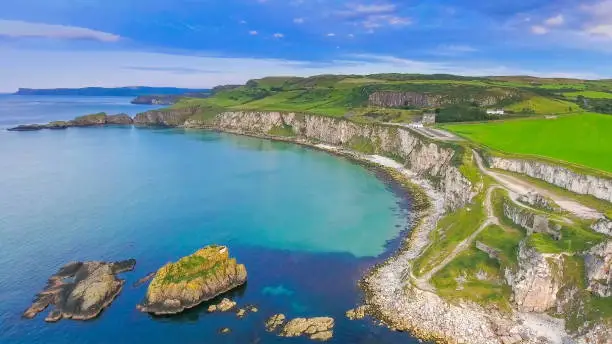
[[423, 281], [521, 187]]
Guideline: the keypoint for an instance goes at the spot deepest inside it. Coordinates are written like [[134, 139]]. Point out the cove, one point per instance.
[[307, 225]]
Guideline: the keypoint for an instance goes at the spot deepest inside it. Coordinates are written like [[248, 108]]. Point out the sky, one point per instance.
[[203, 43]]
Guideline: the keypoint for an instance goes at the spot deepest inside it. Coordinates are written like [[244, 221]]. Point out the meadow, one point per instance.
[[582, 138]]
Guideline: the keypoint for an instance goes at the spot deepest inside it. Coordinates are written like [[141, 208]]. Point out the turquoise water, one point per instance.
[[306, 224]]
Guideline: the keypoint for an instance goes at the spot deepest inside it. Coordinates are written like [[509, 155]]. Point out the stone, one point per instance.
[[96, 119], [241, 313], [357, 313], [535, 285], [603, 226], [144, 280], [212, 308], [598, 268], [225, 330], [27, 127], [319, 328], [275, 322], [194, 279], [80, 290]]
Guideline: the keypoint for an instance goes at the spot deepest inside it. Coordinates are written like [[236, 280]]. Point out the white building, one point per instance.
[[496, 112]]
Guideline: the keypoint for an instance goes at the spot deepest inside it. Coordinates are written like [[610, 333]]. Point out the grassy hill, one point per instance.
[[576, 137], [349, 96]]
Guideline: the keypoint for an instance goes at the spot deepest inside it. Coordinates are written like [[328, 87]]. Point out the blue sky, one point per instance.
[[202, 43]]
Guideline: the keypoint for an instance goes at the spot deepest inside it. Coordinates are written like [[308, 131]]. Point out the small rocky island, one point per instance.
[[192, 280], [80, 290], [92, 120]]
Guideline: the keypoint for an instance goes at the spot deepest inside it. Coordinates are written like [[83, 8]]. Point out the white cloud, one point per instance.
[[278, 35], [16, 29], [555, 21], [298, 20], [601, 30], [331, 34], [539, 30], [374, 16], [253, 33]]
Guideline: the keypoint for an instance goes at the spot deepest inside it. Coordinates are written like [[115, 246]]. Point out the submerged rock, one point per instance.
[[225, 330], [144, 280], [275, 322], [80, 290], [192, 280], [357, 313], [223, 306], [320, 328]]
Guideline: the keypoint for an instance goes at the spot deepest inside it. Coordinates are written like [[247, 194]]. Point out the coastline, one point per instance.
[[406, 306]]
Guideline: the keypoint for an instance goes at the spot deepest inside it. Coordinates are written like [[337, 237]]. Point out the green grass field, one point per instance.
[[543, 106], [589, 94], [582, 139]]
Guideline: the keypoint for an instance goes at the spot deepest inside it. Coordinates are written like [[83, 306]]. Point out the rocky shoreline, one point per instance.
[[392, 295]]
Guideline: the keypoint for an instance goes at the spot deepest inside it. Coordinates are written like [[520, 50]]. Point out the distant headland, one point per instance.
[[129, 91]]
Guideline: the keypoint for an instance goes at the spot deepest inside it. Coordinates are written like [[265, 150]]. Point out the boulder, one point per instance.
[[80, 290], [192, 280], [275, 322], [598, 267], [357, 313], [319, 328]]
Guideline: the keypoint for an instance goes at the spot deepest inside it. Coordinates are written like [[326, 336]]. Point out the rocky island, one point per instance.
[[192, 280], [80, 290], [92, 120]]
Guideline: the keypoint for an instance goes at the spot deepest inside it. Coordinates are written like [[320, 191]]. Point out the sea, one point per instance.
[[307, 225]]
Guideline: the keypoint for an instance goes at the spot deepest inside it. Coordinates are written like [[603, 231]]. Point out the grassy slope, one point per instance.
[[582, 138], [589, 94], [543, 106]]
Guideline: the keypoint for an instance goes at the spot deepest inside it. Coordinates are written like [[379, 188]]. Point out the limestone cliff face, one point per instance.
[[422, 157], [538, 280], [560, 176], [603, 226], [598, 266], [529, 220], [165, 118], [419, 100]]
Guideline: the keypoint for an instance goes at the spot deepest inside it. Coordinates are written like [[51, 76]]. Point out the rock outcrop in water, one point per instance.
[[192, 280], [80, 290], [320, 328], [165, 117], [93, 120], [563, 177]]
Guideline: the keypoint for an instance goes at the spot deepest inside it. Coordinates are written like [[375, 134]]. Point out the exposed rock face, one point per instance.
[[80, 291], [357, 313], [422, 157], [560, 176], [165, 118], [89, 120], [420, 100], [536, 200], [223, 306], [275, 322], [532, 222], [536, 283], [320, 328], [119, 119], [401, 99], [598, 266], [192, 280], [603, 226]]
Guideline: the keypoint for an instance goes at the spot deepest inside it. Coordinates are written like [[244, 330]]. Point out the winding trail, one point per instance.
[[520, 187], [423, 281]]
